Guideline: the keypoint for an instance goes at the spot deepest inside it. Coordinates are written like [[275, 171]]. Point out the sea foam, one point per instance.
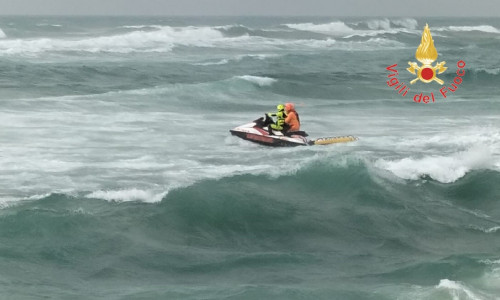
[[367, 28], [386, 24], [458, 290], [337, 27], [163, 39], [126, 195], [445, 169], [483, 28], [258, 80]]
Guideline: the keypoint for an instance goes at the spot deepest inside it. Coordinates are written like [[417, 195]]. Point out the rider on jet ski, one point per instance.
[[287, 119], [292, 119], [280, 119]]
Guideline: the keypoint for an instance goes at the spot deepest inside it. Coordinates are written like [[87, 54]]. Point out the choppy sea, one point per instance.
[[119, 178]]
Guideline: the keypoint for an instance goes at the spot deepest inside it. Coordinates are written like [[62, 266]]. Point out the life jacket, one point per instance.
[[293, 121], [280, 119]]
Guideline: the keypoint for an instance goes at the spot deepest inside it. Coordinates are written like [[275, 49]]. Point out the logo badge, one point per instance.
[[426, 54]]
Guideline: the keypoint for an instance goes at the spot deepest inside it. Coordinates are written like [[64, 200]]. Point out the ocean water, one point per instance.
[[119, 178]]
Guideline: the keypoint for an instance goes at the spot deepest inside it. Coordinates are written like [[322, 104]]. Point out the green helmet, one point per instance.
[[280, 107]]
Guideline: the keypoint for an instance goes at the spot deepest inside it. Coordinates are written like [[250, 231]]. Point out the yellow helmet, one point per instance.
[[280, 107]]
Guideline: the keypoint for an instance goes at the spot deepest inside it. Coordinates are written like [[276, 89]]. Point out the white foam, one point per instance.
[[458, 290], [492, 229], [164, 39], [371, 44], [213, 63], [2, 34], [483, 28], [379, 32], [335, 28], [406, 23], [387, 24], [322, 43], [48, 25], [495, 71], [485, 230], [141, 26], [39, 197], [490, 262], [228, 27], [127, 195], [260, 81], [376, 27], [256, 56], [445, 169], [235, 59], [160, 40], [379, 24]]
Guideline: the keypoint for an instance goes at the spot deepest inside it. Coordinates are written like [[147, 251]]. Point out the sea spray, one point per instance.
[[444, 169]]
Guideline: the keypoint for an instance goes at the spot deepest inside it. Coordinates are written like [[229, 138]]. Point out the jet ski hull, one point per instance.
[[270, 140], [257, 132]]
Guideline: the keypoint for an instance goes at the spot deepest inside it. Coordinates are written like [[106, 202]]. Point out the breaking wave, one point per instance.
[[237, 58], [482, 28], [127, 195], [343, 172], [386, 24], [445, 169], [163, 39], [258, 80], [334, 28], [365, 28], [458, 290]]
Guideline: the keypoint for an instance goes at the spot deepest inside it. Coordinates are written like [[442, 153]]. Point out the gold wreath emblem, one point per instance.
[[426, 54]]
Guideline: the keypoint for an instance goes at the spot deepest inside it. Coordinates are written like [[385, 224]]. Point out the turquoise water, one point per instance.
[[119, 178]]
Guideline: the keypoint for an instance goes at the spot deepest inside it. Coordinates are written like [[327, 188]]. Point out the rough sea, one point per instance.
[[119, 178]]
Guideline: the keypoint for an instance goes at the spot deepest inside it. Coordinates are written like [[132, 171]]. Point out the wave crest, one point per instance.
[[127, 195], [337, 27], [482, 28], [163, 39], [445, 169], [458, 289], [386, 24], [258, 80], [365, 28]]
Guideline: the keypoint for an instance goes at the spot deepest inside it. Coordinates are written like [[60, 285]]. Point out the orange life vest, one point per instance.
[[292, 119]]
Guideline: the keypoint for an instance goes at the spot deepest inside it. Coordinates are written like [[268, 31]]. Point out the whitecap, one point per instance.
[[163, 39], [494, 71], [387, 24], [141, 26], [457, 290], [445, 169], [337, 27], [483, 28], [492, 229], [406, 23], [260, 81], [48, 25], [127, 195], [379, 24], [212, 63]]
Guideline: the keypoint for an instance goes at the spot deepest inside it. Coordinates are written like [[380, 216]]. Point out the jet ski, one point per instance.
[[258, 132]]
